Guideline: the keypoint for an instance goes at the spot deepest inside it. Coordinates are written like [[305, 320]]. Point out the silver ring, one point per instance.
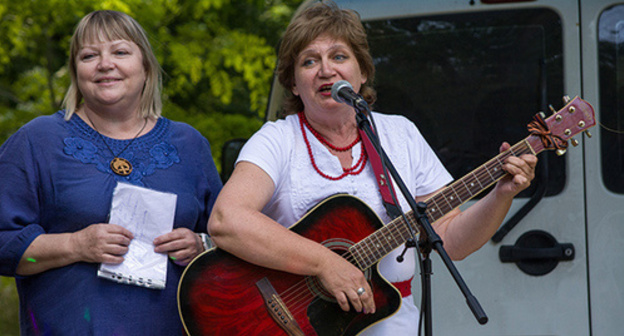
[[360, 291]]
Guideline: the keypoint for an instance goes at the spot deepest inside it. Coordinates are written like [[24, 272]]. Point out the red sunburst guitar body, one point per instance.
[[219, 293]]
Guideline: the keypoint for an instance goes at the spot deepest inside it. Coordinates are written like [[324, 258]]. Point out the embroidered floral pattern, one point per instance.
[[146, 156], [164, 155], [80, 149]]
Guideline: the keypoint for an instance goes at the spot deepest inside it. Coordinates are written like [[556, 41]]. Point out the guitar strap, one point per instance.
[[383, 182]]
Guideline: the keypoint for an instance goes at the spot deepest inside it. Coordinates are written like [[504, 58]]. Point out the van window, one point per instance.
[[611, 77], [471, 81]]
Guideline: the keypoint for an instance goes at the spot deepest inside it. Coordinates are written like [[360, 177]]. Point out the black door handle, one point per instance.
[[536, 252]]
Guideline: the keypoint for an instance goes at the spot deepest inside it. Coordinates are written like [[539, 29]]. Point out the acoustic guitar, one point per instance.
[[220, 294]]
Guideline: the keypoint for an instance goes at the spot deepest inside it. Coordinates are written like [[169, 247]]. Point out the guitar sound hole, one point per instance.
[[315, 286], [340, 246]]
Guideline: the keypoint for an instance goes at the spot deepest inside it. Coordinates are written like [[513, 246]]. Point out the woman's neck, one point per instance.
[[339, 129], [114, 124]]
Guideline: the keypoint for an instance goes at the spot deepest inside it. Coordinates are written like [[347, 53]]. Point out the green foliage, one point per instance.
[[218, 57], [9, 314]]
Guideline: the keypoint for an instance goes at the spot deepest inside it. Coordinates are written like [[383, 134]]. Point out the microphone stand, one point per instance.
[[431, 242]]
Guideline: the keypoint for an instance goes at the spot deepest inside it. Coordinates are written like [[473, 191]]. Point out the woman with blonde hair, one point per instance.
[[56, 190]]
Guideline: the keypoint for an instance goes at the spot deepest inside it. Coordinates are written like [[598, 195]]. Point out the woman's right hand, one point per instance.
[[101, 243], [97, 243], [342, 279]]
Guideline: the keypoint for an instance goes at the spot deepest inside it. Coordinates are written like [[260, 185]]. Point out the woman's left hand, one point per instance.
[[181, 244], [521, 171]]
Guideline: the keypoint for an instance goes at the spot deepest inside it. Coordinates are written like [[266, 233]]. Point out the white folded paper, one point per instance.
[[147, 214]]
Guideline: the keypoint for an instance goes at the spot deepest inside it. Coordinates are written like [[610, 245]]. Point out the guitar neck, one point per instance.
[[475, 182], [374, 247]]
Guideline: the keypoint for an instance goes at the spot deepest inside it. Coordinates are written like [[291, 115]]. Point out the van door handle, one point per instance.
[[558, 252], [536, 252]]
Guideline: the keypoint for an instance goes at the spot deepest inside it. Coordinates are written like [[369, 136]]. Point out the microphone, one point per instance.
[[342, 92]]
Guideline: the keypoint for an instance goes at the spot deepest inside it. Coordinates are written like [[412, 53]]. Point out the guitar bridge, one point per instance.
[[277, 309]]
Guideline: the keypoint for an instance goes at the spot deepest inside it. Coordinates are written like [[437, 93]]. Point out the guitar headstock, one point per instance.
[[575, 117]]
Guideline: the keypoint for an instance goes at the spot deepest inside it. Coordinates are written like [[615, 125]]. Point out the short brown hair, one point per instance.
[[108, 25], [319, 19]]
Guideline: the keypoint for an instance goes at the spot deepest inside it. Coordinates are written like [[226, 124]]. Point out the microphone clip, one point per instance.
[[408, 244]]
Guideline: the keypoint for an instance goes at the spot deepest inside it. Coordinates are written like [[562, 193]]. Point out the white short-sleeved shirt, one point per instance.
[[279, 149]]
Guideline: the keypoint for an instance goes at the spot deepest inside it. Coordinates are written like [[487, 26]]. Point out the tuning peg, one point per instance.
[[574, 142], [542, 114], [566, 99], [589, 135], [552, 109], [560, 152]]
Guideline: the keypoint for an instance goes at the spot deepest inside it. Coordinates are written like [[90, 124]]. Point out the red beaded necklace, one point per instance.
[[355, 170], [322, 139]]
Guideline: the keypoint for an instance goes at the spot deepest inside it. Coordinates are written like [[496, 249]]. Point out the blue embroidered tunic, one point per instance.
[[54, 178]]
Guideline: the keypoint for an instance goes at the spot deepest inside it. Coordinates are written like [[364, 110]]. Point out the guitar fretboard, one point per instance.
[[374, 247]]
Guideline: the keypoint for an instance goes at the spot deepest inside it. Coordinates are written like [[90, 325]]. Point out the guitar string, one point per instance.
[[490, 168], [297, 296], [288, 293], [300, 296], [464, 193], [298, 301]]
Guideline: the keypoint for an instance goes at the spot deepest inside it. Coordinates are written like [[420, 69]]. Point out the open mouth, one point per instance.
[[325, 88]]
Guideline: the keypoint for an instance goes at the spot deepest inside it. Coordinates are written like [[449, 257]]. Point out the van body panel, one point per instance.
[[605, 208]]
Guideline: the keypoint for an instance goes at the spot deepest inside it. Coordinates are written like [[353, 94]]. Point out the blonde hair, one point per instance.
[[107, 25], [323, 18]]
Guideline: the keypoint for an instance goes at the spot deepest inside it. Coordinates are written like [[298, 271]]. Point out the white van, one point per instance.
[[471, 74]]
